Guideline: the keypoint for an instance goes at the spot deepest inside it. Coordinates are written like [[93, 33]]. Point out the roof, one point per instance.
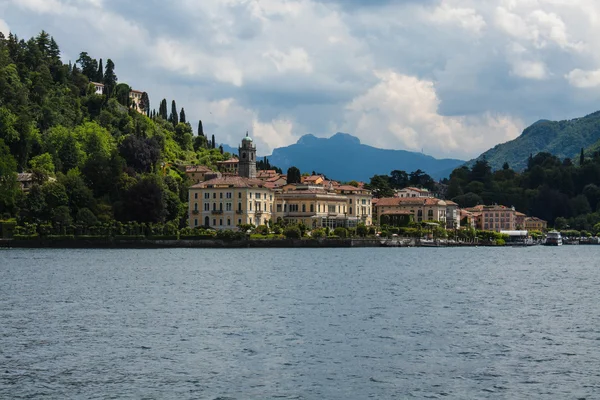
[[197, 168], [96, 83], [397, 212], [417, 201], [534, 219], [135, 91], [450, 203], [232, 160], [24, 177], [415, 189], [231, 181]]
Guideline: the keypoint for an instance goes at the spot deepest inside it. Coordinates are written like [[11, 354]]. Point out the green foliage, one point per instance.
[[341, 232], [293, 175], [292, 232]]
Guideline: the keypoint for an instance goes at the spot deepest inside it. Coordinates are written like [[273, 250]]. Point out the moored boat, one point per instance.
[[553, 239]]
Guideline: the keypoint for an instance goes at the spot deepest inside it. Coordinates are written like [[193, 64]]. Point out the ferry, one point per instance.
[[553, 239]]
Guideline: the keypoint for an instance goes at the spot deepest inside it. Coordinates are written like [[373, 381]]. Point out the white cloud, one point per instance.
[[467, 18], [4, 27], [402, 111], [583, 79], [297, 59]]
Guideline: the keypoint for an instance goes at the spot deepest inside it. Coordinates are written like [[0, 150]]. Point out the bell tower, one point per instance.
[[247, 158]]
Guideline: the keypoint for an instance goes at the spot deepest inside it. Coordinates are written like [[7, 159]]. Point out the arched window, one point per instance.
[[303, 207], [350, 210], [206, 221]]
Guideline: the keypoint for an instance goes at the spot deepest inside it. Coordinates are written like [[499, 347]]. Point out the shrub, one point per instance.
[[318, 233], [292, 232], [500, 242], [341, 232], [361, 230]]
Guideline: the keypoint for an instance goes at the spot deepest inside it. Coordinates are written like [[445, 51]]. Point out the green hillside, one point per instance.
[[564, 139], [96, 155]]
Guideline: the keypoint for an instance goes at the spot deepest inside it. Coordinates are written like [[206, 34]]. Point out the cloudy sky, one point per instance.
[[449, 77]]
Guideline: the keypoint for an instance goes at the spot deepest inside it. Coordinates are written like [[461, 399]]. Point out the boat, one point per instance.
[[553, 239]]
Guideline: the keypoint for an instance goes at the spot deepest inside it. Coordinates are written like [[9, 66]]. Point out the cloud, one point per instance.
[[583, 79], [451, 77], [402, 111], [4, 27]]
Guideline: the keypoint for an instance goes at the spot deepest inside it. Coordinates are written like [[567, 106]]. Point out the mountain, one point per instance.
[[344, 158], [560, 138]]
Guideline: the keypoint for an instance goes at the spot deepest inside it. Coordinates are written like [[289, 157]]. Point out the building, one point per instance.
[[535, 224], [452, 215], [520, 220], [359, 202], [197, 173], [266, 174], [421, 209], [136, 97], [229, 201], [228, 167], [247, 159], [25, 180], [413, 192], [98, 88], [314, 206], [495, 218]]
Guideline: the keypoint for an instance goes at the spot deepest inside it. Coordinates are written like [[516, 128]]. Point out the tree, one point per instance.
[[292, 232], [468, 200], [200, 143], [142, 154], [380, 186], [162, 110], [505, 166], [9, 187], [110, 78], [86, 217], [183, 136], [100, 73], [182, 116], [143, 202], [42, 163], [89, 66], [581, 158], [399, 179], [293, 175], [361, 230], [221, 148], [122, 91], [173, 118], [145, 104], [212, 143], [200, 128]]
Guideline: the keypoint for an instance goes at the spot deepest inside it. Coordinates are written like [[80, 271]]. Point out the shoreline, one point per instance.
[[103, 243]]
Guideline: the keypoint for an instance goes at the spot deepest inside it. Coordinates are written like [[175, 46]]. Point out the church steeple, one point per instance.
[[247, 158]]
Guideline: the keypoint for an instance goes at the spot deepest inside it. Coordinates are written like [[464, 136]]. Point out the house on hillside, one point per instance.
[[99, 88]]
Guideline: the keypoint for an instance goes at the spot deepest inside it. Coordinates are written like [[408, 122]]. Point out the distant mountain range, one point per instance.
[[561, 138], [343, 157]]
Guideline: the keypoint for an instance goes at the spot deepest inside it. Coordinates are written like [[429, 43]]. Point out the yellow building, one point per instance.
[[313, 206], [359, 202], [535, 224], [421, 208], [229, 201], [197, 173]]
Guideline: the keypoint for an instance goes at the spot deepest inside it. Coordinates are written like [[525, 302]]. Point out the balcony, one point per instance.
[[239, 212], [216, 212], [258, 212], [195, 212]]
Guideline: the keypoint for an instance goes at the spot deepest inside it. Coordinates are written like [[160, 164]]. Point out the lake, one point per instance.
[[485, 323]]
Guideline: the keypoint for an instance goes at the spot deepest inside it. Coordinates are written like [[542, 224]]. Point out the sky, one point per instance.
[[451, 78]]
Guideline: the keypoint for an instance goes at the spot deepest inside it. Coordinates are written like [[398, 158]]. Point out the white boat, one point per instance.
[[553, 239]]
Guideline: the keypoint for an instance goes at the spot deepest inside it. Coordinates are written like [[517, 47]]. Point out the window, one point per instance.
[[239, 221], [332, 208], [250, 206], [278, 207], [271, 197], [364, 201], [214, 195], [228, 207], [249, 195], [195, 206], [239, 206], [430, 213], [207, 195], [312, 208], [195, 221], [350, 210], [220, 221], [214, 206], [220, 206], [228, 222], [195, 195], [420, 213], [229, 195], [257, 206], [214, 222], [239, 195], [350, 201], [303, 208], [293, 207], [206, 206]]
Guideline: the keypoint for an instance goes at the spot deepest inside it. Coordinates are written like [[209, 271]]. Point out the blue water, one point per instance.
[[477, 323]]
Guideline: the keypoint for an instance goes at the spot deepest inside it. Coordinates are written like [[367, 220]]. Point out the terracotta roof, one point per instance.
[[520, 214], [417, 201], [135, 91], [450, 203], [197, 168], [232, 160], [534, 219], [397, 212], [233, 181]]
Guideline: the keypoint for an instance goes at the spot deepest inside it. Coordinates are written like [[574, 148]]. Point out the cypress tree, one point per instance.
[[162, 111], [173, 118], [213, 142], [221, 148], [581, 158], [100, 75], [145, 104], [200, 128], [182, 116], [110, 78]]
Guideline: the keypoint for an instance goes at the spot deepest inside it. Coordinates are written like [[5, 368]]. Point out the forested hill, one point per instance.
[[98, 157], [564, 139]]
